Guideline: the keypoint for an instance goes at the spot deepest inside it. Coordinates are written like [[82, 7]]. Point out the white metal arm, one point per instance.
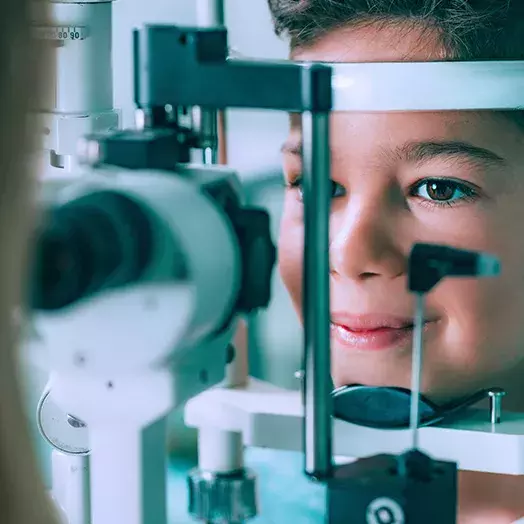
[[428, 86], [271, 417]]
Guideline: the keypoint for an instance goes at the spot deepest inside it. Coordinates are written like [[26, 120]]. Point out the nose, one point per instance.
[[365, 244]]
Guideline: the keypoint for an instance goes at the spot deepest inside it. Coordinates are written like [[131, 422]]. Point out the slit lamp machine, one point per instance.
[[146, 261]]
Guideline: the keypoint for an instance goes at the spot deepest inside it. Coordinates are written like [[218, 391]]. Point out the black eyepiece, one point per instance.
[[100, 241]]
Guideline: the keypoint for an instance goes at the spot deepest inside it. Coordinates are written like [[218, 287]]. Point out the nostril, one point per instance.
[[367, 275]]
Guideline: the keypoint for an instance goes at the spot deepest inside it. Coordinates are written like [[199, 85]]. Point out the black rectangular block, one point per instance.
[[372, 491]]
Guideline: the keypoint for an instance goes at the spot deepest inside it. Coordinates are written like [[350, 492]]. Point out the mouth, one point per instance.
[[373, 333]]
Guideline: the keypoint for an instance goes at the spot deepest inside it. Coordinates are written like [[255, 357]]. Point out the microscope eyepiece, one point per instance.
[[99, 241]]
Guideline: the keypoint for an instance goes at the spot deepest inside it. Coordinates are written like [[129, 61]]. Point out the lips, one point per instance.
[[371, 322], [374, 332]]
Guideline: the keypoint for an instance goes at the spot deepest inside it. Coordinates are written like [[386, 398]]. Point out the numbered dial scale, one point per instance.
[[62, 33]]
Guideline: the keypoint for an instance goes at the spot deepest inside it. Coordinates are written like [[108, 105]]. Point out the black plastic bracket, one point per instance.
[[184, 66], [386, 489]]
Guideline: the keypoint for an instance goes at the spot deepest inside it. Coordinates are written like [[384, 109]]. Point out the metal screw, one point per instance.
[[89, 151], [79, 359], [74, 422], [495, 404], [300, 374], [140, 119], [170, 112]]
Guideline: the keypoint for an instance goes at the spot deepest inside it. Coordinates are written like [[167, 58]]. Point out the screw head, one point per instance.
[[74, 422], [496, 393]]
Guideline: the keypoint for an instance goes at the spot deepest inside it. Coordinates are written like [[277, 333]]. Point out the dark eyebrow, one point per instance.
[[420, 152]]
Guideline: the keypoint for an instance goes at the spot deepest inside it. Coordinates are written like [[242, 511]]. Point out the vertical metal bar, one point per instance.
[[209, 135], [128, 473], [416, 367], [317, 356], [495, 405], [210, 13], [222, 137], [209, 156]]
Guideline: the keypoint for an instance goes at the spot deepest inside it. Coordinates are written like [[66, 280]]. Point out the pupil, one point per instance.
[[440, 190]]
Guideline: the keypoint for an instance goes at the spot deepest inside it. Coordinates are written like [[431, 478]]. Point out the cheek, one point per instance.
[[485, 332], [290, 253], [481, 342]]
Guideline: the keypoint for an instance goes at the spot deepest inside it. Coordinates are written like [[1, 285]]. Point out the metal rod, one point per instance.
[[222, 137], [317, 429], [210, 13], [209, 135], [416, 367], [209, 156], [495, 404], [496, 409]]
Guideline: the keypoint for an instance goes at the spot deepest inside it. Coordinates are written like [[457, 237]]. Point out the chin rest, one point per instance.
[[389, 407]]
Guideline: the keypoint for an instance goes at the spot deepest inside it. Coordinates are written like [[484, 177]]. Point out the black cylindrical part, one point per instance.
[[99, 241]]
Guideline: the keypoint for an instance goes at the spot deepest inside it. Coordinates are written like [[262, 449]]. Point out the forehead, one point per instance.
[[480, 127], [400, 42]]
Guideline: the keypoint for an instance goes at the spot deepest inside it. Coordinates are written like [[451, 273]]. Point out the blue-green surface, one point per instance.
[[285, 495]]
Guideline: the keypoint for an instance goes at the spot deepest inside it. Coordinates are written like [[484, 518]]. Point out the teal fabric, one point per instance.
[[285, 494]]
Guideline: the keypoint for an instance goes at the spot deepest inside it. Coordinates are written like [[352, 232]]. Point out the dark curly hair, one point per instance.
[[469, 29]]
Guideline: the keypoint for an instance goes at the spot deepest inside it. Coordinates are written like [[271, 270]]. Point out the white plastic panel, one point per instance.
[[429, 86]]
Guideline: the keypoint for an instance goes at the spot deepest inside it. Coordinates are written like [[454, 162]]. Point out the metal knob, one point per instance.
[[300, 374], [222, 498]]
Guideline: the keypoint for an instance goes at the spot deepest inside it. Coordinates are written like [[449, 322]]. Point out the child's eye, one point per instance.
[[443, 192], [337, 190]]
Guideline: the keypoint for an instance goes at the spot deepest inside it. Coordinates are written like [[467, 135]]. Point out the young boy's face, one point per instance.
[[451, 178]]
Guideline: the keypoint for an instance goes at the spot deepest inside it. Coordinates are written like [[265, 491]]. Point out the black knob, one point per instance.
[[259, 256]]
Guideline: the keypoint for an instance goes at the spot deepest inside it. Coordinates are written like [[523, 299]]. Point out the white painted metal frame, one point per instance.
[[271, 417], [428, 86]]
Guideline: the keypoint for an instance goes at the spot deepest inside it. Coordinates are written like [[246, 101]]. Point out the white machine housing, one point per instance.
[[167, 339], [80, 101], [169, 317]]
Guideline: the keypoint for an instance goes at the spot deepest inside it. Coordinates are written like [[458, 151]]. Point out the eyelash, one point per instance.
[[470, 194]]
